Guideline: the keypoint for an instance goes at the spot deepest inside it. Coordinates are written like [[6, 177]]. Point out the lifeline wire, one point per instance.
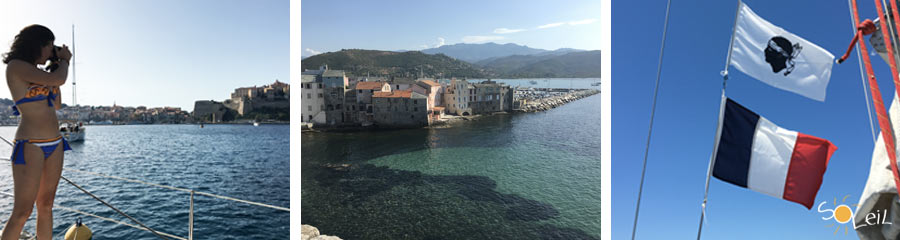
[[101, 200]]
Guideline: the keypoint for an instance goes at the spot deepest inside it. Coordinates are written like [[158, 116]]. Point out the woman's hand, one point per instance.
[[64, 53]]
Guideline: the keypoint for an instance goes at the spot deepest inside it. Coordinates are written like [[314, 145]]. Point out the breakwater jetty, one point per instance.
[[542, 99]]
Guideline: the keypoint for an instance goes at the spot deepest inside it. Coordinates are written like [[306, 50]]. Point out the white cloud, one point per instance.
[[507, 30], [585, 21], [551, 25], [480, 39], [313, 52], [440, 42], [573, 23]]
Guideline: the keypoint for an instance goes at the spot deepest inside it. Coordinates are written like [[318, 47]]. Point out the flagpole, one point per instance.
[[652, 114], [724, 73], [712, 157]]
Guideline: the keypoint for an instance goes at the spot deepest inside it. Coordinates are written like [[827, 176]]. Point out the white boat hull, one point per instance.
[[73, 136]]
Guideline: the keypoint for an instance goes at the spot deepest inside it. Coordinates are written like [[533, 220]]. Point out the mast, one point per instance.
[[74, 103]]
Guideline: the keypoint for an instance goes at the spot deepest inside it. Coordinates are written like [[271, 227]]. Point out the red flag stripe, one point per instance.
[[808, 163]]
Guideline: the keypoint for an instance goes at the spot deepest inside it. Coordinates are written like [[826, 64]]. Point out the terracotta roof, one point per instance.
[[394, 94], [438, 108], [369, 85], [430, 83]]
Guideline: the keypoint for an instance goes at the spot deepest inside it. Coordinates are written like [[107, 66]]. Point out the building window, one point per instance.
[[415, 109], [320, 95], [359, 91], [307, 86], [415, 102], [308, 95], [320, 85], [412, 116], [309, 108]]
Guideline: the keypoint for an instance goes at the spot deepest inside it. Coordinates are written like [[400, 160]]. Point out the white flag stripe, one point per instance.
[[799, 66], [770, 158]]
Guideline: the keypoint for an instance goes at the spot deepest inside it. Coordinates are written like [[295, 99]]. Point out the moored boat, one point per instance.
[[72, 131]]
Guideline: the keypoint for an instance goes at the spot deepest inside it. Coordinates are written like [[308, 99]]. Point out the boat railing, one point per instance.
[[141, 226]]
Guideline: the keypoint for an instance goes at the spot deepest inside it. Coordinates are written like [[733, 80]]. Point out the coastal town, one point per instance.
[[266, 103], [269, 103], [333, 100]]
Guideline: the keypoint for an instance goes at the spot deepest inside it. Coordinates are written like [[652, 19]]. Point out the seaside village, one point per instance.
[[268, 103], [331, 99]]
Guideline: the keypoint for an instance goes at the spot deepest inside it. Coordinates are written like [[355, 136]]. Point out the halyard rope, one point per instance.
[[662, 46]]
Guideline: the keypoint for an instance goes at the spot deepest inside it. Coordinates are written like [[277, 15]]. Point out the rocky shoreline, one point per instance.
[[556, 101], [308, 232]]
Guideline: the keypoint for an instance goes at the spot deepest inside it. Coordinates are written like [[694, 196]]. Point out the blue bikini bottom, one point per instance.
[[46, 145]]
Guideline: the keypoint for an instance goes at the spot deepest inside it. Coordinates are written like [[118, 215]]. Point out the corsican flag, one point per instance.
[[754, 153], [779, 58]]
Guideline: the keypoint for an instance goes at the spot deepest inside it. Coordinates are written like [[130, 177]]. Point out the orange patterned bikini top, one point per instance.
[[37, 92]]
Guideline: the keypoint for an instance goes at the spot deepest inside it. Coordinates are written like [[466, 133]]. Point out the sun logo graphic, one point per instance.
[[843, 213]]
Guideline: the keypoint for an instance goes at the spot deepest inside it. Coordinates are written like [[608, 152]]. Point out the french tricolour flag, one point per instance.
[[754, 153]]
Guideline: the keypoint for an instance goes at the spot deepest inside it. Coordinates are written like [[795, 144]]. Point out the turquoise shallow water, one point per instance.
[[232, 160], [525, 176]]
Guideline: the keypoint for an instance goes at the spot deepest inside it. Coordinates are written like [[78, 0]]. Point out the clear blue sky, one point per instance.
[[686, 116], [161, 53], [414, 25]]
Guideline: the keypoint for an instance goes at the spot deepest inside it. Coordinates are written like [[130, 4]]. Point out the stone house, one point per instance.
[[400, 108]]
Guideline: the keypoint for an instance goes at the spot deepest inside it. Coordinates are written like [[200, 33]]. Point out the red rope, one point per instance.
[[865, 28], [888, 43], [884, 122]]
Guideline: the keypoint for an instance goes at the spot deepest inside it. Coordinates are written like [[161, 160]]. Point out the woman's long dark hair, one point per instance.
[[27, 45]]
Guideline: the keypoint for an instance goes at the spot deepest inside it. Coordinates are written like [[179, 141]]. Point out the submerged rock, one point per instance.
[[308, 232]]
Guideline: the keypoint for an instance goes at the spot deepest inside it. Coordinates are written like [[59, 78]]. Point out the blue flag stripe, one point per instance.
[[732, 162]]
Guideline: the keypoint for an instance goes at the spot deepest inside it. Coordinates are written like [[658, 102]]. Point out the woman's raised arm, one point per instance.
[[28, 73]]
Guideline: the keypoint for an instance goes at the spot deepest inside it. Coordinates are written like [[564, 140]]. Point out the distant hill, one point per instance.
[[570, 64], [359, 62], [476, 52], [541, 55]]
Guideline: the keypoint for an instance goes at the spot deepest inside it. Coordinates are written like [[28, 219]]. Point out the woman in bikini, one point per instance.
[[37, 157]]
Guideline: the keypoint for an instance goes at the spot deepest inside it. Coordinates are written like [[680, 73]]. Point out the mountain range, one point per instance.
[[488, 60]]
